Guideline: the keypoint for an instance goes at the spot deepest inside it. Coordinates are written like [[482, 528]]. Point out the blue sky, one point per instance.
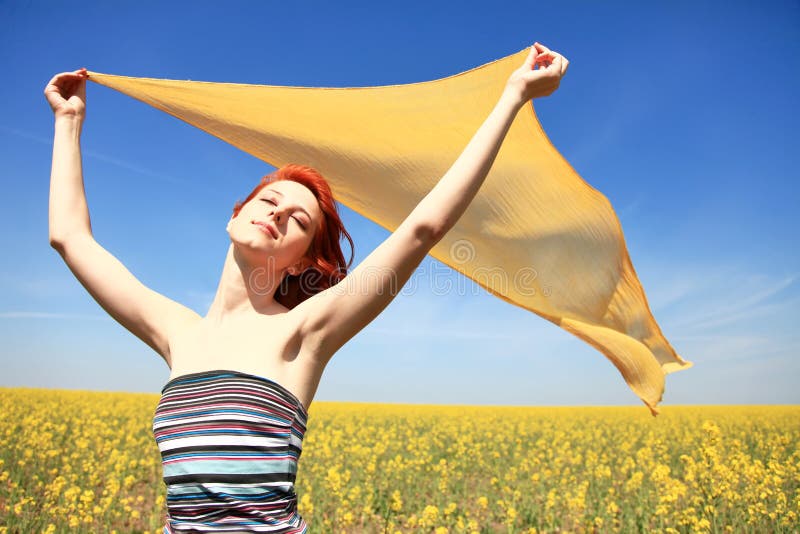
[[682, 114]]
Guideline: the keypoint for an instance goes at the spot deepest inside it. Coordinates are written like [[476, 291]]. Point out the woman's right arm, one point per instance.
[[150, 316], [66, 94]]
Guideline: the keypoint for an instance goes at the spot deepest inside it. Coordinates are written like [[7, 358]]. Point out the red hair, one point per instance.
[[328, 267]]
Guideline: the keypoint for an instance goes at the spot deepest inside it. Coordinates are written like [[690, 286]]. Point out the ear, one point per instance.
[[228, 227]]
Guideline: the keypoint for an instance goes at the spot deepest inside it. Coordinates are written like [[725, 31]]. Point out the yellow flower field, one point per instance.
[[74, 461]]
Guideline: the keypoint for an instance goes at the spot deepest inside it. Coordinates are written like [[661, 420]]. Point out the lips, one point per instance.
[[267, 228]]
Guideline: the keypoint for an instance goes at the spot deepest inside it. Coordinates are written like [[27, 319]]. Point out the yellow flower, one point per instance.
[[429, 515], [347, 518], [306, 505], [511, 515], [397, 501], [733, 467]]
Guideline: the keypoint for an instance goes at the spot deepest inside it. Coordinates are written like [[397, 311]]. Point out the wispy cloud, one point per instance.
[[730, 347], [630, 105], [45, 288], [477, 318], [427, 333], [26, 135], [50, 315], [720, 309], [631, 208], [595, 142], [748, 314], [669, 291], [139, 169], [144, 171]]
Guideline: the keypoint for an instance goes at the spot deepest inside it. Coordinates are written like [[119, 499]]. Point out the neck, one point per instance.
[[245, 288]]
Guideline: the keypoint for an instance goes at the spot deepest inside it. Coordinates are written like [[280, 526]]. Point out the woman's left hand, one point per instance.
[[528, 82]]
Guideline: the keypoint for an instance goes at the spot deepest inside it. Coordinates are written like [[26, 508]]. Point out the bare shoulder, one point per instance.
[[333, 316], [308, 321]]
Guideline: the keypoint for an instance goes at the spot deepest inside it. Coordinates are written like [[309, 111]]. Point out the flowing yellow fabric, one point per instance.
[[536, 235]]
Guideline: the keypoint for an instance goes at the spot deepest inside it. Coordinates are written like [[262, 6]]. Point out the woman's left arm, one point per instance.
[[332, 317], [446, 202]]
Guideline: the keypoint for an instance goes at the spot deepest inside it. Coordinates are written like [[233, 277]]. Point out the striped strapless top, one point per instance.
[[229, 443]]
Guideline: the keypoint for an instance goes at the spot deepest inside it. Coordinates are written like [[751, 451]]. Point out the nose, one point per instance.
[[277, 212]]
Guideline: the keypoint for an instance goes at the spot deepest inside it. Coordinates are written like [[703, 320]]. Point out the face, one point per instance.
[[279, 222]]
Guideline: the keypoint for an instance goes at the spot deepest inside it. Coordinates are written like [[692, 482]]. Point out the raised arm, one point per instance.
[[335, 315], [69, 215], [448, 200], [150, 316]]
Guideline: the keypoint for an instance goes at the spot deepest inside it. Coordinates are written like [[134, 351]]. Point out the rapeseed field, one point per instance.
[[73, 461]]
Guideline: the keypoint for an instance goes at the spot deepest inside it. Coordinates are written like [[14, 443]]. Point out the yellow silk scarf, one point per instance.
[[536, 235]]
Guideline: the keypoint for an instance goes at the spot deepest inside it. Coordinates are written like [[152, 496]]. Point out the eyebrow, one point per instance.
[[298, 207]]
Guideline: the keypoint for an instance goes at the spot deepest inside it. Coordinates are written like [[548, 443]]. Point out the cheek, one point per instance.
[[235, 222], [300, 243], [238, 225]]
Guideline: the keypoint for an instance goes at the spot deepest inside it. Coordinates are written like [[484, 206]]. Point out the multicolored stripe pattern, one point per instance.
[[230, 443]]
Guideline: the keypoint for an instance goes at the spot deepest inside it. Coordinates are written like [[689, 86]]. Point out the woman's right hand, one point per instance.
[[528, 82], [66, 94]]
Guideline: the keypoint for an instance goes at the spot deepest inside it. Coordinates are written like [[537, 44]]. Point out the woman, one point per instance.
[[231, 418]]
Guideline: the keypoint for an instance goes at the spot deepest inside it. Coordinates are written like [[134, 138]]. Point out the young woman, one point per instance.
[[231, 419]]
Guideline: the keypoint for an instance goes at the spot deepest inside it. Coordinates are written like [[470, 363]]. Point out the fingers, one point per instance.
[[541, 49], [558, 65], [66, 79], [66, 85], [61, 78], [533, 83], [553, 69], [545, 54], [536, 53], [82, 85], [563, 63], [531, 59]]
